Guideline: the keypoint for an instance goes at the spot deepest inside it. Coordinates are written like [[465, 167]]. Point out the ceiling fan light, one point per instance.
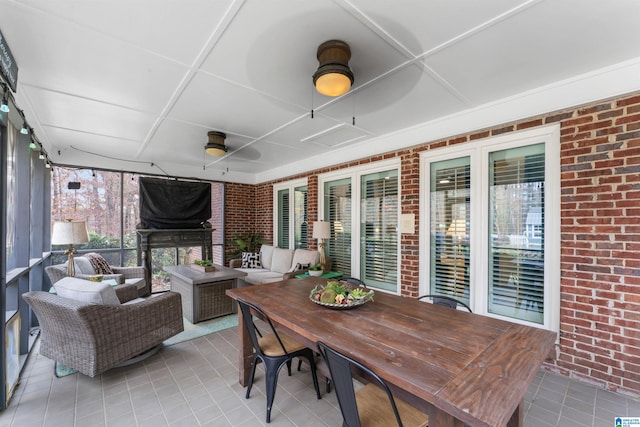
[[333, 76], [333, 84], [215, 147]]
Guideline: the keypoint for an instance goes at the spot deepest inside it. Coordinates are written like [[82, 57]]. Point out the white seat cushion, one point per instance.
[[139, 282], [253, 270], [87, 291], [267, 277]]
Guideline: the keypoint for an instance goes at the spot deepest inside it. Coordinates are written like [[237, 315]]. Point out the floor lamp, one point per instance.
[[70, 233], [322, 231]]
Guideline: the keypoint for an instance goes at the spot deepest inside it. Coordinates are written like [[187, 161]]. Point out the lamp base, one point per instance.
[[71, 266], [323, 258]]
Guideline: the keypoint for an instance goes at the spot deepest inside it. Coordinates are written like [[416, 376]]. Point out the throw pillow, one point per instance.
[[83, 266], [99, 264], [266, 255], [251, 260], [302, 266]]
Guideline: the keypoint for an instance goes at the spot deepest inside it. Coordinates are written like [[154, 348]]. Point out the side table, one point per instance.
[[329, 275], [203, 294]]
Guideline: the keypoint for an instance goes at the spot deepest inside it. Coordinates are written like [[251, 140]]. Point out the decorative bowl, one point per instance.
[[347, 301], [315, 272]]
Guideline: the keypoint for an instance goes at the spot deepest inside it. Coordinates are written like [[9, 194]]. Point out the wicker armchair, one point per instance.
[[93, 338]]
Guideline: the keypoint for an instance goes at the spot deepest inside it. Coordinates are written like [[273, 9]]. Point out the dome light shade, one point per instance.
[[215, 146], [333, 76]]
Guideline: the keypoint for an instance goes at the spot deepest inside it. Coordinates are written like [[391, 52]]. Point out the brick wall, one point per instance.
[[600, 234], [239, 213]]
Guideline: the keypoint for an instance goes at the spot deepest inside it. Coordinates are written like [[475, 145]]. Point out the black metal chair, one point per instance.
[[366, 408], [446, 301], [352, 281], [273, 350]]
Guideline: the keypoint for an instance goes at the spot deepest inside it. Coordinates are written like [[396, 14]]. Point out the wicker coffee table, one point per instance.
[[203, 294]]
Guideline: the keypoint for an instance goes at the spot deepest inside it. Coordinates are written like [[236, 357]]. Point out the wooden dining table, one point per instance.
[[456, 366]]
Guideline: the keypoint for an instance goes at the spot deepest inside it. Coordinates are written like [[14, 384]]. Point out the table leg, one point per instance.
[[517, 419], [245, 352], [438, 418]]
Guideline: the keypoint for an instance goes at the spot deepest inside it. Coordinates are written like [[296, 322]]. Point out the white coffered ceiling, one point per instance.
[[123, 84]]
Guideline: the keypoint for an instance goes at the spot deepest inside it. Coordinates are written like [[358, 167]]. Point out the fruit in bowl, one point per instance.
[[340, 295]]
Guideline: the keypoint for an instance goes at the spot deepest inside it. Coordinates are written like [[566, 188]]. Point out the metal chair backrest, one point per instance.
[[253, 330], [446, 301], [341, 375], [352, 281]]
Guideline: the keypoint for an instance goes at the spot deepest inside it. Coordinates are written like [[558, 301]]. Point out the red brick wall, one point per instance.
[[600, 234], [240, 214]]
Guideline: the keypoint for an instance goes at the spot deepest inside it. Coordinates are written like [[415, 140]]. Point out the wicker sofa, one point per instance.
[[275, 264], [93, 337], [84, 270]]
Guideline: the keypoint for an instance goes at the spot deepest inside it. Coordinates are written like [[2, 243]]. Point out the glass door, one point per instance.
[[379, 230]]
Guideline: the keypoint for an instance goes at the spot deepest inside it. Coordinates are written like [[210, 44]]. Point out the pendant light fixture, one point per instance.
[[215, 146], [333, 76]]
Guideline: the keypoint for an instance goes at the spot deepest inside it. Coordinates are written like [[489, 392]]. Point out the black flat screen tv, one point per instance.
[[171, 204]]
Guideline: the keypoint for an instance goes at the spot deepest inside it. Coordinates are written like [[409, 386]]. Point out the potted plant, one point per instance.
[[204, 265], [315, 270], [246, 242]]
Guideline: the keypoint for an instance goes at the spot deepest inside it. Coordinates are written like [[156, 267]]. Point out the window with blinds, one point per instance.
[[338, 212], [449, 228], [283, 218], [379, 229], [516, 221], [291, 224], [300, 222]]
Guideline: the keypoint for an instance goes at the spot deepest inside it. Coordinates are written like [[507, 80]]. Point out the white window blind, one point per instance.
[[449, 228], [516, 220], [301, 225], [379, 229], [338, 213], [283, 218]]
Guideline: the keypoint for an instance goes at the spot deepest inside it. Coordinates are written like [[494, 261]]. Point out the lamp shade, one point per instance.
[[321, 230], [69, 233], [458, 228]]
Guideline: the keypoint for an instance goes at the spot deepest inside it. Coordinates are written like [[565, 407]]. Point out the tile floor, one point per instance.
[[195, 383]]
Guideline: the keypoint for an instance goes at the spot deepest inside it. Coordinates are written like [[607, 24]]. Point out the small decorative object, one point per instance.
[[316, 270], [340, 296], [205, 265], [96, 278], [322, 231]]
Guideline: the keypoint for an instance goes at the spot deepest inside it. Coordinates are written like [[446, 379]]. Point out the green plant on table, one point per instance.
[[203, 262], [246, 242], [316, 267]]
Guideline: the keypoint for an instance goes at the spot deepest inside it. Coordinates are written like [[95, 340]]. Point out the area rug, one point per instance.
[[207, 327], [190, 332]]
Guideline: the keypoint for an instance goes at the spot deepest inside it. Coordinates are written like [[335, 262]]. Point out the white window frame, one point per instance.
[[478, 152], [291, 186], [355, 173]]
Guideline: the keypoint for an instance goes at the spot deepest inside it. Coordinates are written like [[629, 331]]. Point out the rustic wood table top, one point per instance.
[[455, 366]]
